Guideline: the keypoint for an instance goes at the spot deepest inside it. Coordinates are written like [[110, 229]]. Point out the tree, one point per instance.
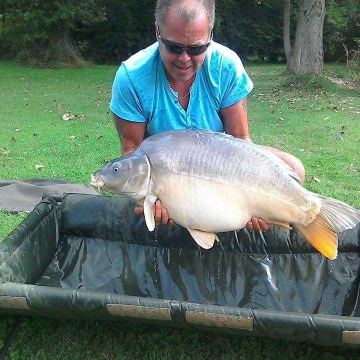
[[306, 54], [62, 32], [341, 29], [128, 27], [39, 31], [251, 28]]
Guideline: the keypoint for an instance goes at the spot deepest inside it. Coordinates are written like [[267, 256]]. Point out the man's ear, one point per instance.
[[156, 29]]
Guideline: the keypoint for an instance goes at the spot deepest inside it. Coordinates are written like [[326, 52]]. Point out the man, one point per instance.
[[185, 80]]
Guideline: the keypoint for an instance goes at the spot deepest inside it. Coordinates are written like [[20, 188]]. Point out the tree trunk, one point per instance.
[[287, 29], [67, 51], [306, 55]]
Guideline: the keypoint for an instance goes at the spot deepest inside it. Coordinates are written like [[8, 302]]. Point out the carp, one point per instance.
[[212, 182]]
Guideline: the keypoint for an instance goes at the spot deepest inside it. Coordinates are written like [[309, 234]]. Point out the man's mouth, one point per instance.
[[183, 69]]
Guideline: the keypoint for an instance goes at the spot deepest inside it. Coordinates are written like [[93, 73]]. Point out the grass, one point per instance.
[[33, 132], [68, 339], [317, 120]]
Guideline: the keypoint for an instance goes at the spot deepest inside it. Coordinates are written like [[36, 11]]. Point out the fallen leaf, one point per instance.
[[13, 139], [68, 116], [315, 179], [39, 167], [72, 137], [352, 168], [100, 137], [4, 151]]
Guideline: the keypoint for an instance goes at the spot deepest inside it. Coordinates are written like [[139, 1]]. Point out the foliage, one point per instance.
[[128, 27], [48, 33], [341, 28], [39, 31], [124, 27], [251, 28], [131, 26], [342, 35]]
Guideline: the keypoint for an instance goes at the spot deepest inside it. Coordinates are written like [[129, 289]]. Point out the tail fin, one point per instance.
[[342, 216], [335, 216]]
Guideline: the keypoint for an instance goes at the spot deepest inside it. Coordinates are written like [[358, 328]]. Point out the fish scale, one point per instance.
[[211, 182]]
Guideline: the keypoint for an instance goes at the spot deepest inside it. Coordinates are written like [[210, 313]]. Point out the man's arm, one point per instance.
[[131, 134], [235, 120]]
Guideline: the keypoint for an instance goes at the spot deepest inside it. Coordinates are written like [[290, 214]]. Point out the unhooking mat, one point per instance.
[[23, 195], [84, 256]]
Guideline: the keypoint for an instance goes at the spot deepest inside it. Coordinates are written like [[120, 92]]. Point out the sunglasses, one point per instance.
[[178, 49]]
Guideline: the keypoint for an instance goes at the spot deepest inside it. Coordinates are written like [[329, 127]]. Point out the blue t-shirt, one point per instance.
[[141, 92]]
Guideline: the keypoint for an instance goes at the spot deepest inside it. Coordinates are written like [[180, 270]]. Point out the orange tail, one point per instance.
[[335, 216], [322, 236]]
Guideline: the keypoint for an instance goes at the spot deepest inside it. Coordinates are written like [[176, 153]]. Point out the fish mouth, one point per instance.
[[96, 182]]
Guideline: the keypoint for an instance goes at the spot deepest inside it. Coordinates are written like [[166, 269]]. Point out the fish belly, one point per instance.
[[216, 183], [204, 205], [214, 206]]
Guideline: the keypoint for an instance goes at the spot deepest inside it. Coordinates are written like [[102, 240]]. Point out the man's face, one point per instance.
[[183, 66]]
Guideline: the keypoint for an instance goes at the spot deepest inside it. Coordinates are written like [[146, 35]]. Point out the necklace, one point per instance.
[[175, 92]]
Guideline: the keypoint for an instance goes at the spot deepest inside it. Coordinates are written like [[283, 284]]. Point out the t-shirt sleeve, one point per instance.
[[125, 102], [237, 83]]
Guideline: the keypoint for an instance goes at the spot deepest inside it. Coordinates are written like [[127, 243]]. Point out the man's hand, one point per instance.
[[257, 224], [160, 213]]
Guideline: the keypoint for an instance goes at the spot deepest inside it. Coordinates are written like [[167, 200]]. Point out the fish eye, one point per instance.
[[115, 169]]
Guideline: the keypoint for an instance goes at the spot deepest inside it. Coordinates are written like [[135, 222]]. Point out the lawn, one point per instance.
[[317, 120]]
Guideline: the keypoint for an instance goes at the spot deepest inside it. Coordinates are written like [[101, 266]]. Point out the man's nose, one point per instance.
[[184, 56]]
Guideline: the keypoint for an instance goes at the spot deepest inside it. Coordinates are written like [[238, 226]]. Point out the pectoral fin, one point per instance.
[[204, 239], [148, 211]]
